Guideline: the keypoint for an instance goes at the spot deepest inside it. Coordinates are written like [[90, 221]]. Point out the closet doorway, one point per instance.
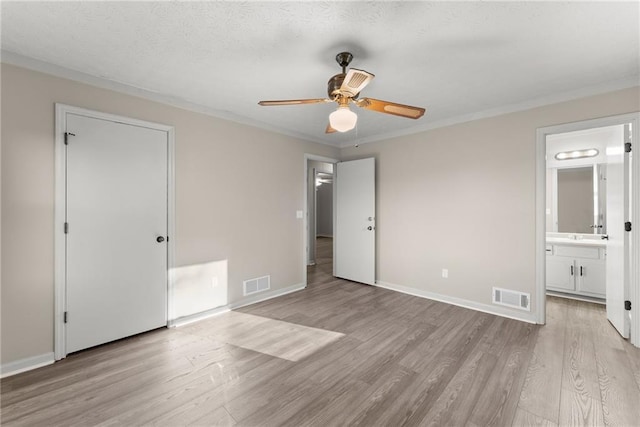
[[319, 216]]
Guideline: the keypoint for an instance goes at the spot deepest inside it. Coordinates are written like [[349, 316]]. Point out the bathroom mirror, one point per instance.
[[578, 199]]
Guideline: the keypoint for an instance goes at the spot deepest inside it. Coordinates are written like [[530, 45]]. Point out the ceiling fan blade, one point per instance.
[[390, 108], [330, 129], [294, 102], [355, 81]]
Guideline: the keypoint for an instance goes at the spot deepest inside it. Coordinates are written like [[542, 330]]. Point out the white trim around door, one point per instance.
[[61, 111], [633, 288]]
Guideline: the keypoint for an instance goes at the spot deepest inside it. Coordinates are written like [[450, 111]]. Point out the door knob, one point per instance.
[[159, 239]]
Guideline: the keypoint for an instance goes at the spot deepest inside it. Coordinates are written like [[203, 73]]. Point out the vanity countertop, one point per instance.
[[577, 242]]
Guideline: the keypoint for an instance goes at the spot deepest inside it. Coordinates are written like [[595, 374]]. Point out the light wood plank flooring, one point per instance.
[[341, 353]]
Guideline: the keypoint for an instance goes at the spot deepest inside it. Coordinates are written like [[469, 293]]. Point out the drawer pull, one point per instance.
[[581, 270], [572, 270]]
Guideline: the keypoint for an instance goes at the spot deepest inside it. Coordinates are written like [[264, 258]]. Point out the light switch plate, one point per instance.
[[299, 214]]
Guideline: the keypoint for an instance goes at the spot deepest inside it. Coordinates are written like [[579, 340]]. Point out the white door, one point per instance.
[[355, 235], [116, 251], [617, 246]]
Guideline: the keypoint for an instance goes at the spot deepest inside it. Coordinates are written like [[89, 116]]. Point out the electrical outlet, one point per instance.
[[445, 273]]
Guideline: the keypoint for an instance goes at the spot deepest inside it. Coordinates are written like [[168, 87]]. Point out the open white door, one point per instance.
[[116, 246], [618, 244], [355, 236]]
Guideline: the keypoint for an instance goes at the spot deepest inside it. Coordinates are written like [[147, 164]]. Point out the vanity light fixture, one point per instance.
[[576, 154]]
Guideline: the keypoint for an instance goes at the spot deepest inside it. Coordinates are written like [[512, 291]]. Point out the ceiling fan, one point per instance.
[[344, 89]]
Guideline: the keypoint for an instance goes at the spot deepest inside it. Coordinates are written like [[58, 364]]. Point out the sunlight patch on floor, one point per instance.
[[276, 338]]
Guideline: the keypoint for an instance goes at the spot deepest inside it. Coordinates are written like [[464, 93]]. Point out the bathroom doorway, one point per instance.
[[584, 201]]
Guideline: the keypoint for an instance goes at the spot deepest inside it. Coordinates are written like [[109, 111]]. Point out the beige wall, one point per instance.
[[237, 192], [460, 197], [324, 198], [463, 198]]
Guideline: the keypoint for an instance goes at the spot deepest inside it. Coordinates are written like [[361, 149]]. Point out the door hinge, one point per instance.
[[627, 226], [627, 305], [66, 228], [66, 137], [627, 147], [66, 317]]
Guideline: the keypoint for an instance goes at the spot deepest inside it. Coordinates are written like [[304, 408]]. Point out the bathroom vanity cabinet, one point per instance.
[[576, 267]]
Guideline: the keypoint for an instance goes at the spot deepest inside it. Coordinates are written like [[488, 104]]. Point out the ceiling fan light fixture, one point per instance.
[[343, 119]]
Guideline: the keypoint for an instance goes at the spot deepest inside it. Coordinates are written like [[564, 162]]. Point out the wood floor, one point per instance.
[[341, 353]]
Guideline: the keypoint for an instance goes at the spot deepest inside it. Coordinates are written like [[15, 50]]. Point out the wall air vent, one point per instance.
[[259, 284], [513, 299]]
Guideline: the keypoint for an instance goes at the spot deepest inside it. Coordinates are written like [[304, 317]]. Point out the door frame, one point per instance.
[[312, 213], [305, 212], [61, 111], [633, 286]]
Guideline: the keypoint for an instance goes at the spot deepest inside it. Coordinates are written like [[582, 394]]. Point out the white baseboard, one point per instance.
[[185, 320], [585, 298], [29, 363], [26, 364], [460, 302], [263, 296]]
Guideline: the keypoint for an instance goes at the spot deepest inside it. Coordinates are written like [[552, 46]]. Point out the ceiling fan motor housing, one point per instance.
[[334, 85]]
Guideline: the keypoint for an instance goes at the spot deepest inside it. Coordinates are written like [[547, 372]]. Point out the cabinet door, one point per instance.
[[592, 276], [560, 273]]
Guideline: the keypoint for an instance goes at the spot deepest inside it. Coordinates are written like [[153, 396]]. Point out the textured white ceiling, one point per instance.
[[457, 59]]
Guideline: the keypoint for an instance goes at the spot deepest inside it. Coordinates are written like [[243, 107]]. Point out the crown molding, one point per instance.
[[33, 64], [610, 86], [16, 59]]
